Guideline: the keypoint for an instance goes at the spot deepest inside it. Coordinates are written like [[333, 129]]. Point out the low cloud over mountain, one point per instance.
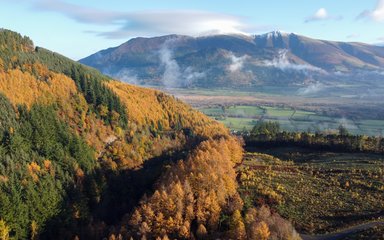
[[238, 60]]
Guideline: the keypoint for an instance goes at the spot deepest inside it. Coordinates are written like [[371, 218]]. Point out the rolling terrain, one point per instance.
[[334, 82], [83, 156]]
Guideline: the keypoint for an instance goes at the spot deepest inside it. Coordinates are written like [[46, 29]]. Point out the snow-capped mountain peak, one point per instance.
[[276, 34]]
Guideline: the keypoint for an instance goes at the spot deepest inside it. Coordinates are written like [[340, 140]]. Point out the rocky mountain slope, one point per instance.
[[238, 60]]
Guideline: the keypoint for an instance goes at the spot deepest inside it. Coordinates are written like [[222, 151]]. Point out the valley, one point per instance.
[[239, 110], [305, 84], [84, 156], [273, 136]]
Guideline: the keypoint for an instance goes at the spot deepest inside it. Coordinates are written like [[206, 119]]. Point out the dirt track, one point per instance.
[[342, 233]]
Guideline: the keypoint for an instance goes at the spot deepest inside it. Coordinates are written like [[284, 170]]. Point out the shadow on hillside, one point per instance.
[[125, 189], [120, 193]]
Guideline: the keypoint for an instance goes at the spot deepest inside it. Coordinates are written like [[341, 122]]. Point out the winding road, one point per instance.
[[343, 233]]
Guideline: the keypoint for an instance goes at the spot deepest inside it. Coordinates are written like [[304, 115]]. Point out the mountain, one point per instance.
[[83, 156], [237, 60]]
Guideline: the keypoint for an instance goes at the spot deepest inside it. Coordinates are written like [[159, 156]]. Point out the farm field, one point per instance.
[[244, 117], [240, 109], [318, 191]]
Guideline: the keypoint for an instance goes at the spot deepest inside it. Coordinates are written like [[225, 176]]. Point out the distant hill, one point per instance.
[[238, 60]]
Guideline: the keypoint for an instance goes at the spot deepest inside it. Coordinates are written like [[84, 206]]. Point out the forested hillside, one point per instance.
[[83, 156]]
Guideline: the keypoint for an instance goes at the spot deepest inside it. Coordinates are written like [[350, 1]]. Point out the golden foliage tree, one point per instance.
[[261, 231], [201, 231], [4, 230], [198, 188], [237, 226]]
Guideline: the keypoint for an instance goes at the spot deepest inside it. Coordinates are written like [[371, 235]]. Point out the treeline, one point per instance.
[[89, 82], [17, 52], [270, 134], [11, 42]]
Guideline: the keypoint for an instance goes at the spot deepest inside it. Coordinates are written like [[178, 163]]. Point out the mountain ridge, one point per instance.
[[214, 61]]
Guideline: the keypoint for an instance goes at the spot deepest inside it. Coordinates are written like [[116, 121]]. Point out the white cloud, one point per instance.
[[311, 89], [377, 14], [149, 23], [320, 15], [127, 76], [78, 12], [353, 36], [174, 75], [282, 62], [185, 22], [236, 62]]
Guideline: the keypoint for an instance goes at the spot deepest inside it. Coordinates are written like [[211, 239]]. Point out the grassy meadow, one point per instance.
[[240, 109], [244, 117]]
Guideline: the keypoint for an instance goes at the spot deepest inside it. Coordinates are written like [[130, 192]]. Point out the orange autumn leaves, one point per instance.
[[198, 190], [23, 88], [35, 170], [151, 107], [149, 111]]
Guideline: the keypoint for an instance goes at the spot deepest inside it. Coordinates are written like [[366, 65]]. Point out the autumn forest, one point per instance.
[[83, 156]]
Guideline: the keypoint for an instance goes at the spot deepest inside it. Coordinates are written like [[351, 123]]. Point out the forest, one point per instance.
[[83, 156], [269, 133]]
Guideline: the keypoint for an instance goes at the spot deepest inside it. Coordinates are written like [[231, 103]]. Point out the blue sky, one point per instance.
[[79, 28]]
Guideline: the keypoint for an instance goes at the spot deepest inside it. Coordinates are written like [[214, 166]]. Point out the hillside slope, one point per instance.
[[237, 60], [83, 156]]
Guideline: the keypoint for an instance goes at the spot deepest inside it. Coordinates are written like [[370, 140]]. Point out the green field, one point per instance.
[[244, 117], [262, 90], [240, 108], [318, 191]]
